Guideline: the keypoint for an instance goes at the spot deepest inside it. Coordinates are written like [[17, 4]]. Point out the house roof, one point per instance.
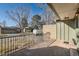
[[63, 10]]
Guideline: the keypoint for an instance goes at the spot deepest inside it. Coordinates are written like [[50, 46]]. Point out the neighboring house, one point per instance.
[[13, 30], [9, 30], [27, 29], [67, 24]]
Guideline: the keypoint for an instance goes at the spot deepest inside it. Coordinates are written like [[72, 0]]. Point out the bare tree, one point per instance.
[[17, 15], [0, 24], [4, 23], [24, 22], [48, 15], [36, 22]]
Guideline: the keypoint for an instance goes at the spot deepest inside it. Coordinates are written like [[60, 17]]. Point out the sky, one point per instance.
[[8, 6]]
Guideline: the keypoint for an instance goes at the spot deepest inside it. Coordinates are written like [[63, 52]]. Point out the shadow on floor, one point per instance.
[[46, 51]]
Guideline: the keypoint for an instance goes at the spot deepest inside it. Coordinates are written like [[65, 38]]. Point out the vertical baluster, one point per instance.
[[8, 46], [11, 43], [29, 40], [18, 42], [0, 46], [5, 47], [26, 40], [14, 44], [22, 40], [33, 39]]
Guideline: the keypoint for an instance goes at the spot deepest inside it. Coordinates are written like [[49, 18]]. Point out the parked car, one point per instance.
[[37, 32]]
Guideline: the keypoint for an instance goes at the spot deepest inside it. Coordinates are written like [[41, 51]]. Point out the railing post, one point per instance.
[[5, 47], [0, 46], [8, 46]]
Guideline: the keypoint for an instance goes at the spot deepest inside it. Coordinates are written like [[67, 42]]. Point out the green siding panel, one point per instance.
[[58, 30], [65, 31], [62, 31]]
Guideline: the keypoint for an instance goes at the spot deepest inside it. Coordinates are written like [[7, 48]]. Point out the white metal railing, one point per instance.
[[12, 43]]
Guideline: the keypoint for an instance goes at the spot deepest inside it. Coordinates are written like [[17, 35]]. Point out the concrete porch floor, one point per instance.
[[48, 48]]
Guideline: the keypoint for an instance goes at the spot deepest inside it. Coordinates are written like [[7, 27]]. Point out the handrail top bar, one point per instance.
[[14, 36]]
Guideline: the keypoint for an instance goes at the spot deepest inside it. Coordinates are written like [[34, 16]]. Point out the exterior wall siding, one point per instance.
[[50, 29], [61, 31], [58, 31], [66, 32]]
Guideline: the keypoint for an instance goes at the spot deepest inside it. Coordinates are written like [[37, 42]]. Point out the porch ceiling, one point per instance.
[[65, 9]]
